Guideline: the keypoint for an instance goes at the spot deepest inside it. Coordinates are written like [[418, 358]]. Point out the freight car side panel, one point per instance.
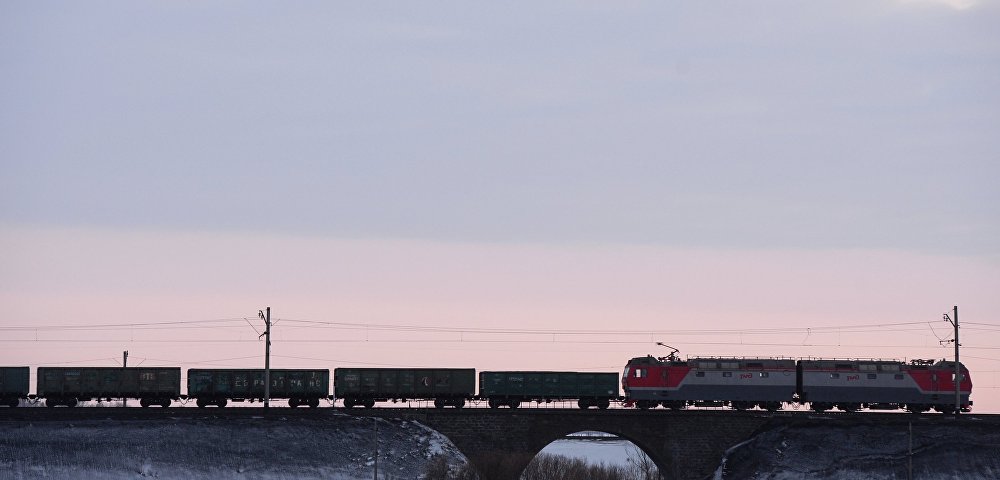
[[249, 383], [404, 383], [14, 381], [547, 385], [109, 382]]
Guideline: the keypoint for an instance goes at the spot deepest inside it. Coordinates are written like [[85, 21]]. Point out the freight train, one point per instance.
[[647, 382]]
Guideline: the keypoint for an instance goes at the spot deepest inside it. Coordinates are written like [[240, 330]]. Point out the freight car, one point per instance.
[[512, 388], [219, 386], [69, 385], [13, 385], [365, 386]]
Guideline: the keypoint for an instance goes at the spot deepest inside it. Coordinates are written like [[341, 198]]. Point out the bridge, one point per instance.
[[683, 444], [500, 443]]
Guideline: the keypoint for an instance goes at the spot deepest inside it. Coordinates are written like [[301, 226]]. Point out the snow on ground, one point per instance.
[[830, 452], [332, 446]]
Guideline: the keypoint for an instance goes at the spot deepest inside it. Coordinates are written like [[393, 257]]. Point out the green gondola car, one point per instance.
[[218, 386], [13, 385], [365, 386], [512, 388], [68, 385]]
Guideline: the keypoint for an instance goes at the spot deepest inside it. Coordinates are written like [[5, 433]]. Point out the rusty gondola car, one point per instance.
[[69, 385], [365, 386], [219, 386]]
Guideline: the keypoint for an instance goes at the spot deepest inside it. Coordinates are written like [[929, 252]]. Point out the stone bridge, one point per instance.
[[684, 445], [501, 443]]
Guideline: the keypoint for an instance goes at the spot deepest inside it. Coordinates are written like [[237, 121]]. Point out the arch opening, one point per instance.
[[592, 454]]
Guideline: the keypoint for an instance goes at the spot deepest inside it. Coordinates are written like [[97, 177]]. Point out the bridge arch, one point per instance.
[[649, 451]]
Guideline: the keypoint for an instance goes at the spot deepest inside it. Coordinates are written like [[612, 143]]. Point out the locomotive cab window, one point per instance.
[[640, 373], [764, 374]]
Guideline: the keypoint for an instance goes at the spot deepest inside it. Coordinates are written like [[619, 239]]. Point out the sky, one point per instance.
[[499, 186]]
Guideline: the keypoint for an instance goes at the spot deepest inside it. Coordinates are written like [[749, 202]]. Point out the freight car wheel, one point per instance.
[[313, 402], [438, 403], [348, 403], [51, 402], [604, 404], [514, 403], [460, 403], [369, 403], [13, 402], [493, 403], [583, 403], [165, 402], [221, 402], [70, 402], [144, 402], [201, 402], [293, 402]]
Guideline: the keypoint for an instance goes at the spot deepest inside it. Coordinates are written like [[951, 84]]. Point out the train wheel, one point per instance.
[[221, 403], [438, 403], [583, 403], [370, 403], [348, 403], [772, 406], [71, 402], [201, 402], [51, 402], [645, 404], [293, 402], [13, 402], [493, 403], [314, 402], [819, 407], [460, 403], [144, 402], [514, 403], [603, 404], [165, 403]]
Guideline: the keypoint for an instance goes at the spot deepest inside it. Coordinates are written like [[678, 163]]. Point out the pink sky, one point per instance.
[[90, 276]]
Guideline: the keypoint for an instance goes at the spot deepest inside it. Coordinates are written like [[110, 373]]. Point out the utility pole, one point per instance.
[[124, 365], [267, 356], [958, 371]]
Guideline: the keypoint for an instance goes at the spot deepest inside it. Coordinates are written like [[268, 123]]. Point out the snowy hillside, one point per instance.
[[837, 452], [331, 446]]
